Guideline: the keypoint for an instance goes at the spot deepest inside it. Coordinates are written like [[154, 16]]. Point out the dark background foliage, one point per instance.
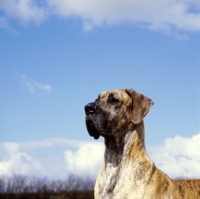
[[23, 187]]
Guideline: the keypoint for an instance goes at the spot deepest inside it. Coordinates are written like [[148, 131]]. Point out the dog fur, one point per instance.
[[128, 172]]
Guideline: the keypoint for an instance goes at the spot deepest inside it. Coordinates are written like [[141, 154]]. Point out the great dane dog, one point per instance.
[[128, 172]]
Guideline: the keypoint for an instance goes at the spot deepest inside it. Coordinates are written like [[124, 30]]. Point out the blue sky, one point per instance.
[[57, 56]]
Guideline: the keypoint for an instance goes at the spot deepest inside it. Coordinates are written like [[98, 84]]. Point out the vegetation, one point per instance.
[[23, 187]]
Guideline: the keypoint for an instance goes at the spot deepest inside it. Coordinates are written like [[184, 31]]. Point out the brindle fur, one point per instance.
[[128, 172]]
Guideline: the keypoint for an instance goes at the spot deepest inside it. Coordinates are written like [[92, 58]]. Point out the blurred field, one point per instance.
[[23, 187]]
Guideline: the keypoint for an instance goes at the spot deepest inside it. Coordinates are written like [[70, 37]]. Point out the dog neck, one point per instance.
[[122, 147], [125, 150]]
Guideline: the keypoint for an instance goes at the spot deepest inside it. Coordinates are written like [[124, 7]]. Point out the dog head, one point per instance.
[[114, 111]]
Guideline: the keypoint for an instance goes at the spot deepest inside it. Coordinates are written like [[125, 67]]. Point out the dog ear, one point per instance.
[[91, 129], [140, 105]]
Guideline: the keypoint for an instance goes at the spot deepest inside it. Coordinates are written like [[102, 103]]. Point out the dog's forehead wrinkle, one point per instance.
[[102, 95], [113, 92]]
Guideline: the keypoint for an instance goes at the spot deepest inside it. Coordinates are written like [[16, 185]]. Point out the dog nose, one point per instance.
[[90, 108]]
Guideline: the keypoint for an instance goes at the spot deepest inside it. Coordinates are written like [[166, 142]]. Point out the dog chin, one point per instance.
[[96, 132], [92, 130]]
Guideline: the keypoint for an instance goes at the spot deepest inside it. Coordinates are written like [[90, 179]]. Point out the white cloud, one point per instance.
[[178, 157], [32, 86], [58, 157], [166, 15], [86, 160], [25, 10], [20, 163], [157, 15], [40, 158]]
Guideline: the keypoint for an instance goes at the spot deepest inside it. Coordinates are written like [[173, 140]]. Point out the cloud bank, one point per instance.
[[26, 11], [165, 15], [57, 157], [54, 157], [178, 157]]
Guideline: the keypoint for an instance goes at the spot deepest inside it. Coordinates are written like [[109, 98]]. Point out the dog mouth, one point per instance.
[[91, 128], [96, 124], [89, 117], [95, 129]]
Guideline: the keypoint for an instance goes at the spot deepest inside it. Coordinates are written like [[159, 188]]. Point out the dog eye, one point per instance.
[[114, 100]]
